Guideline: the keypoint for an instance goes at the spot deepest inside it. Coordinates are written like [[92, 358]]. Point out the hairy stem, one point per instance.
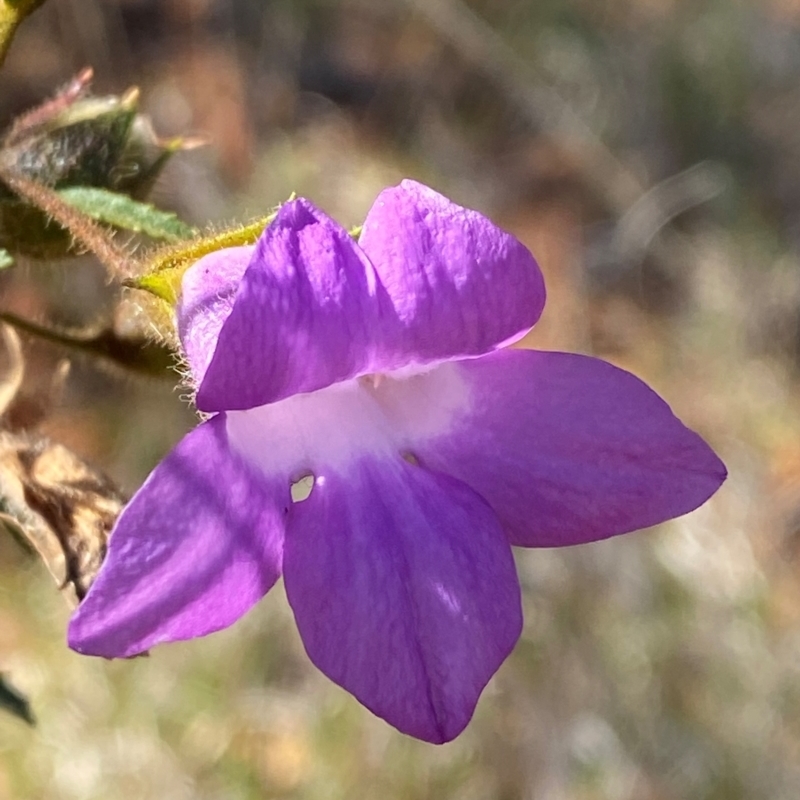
[[12, 12], [85, 231]]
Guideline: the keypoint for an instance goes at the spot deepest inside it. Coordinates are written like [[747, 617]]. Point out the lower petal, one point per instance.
[[196, 547], [404, 591], [568, 449]]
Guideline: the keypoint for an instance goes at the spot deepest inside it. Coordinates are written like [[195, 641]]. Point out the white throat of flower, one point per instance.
[[377, 416]]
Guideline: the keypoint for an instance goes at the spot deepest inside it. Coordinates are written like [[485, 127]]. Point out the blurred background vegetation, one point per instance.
[[648, 152]]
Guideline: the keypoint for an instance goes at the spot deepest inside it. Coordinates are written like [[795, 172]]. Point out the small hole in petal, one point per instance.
[[301, 488], [372, 380], [411, 458]]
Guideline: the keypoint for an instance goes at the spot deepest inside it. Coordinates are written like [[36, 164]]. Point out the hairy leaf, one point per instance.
[[122, 211]]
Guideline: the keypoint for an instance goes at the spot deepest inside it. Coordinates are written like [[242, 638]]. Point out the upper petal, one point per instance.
[[460, 286], [565, 448], [404, 591], [310, 309], [307, 313], [196, 547], [208, 290]]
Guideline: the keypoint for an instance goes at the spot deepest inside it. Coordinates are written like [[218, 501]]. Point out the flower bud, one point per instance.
[[77, 140]]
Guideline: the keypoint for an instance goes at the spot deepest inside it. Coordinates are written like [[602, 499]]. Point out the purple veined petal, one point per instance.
[[196, 547], [460, 286], [207, 293], [310, 309], [565, 448], [404, 591], [307, 313]]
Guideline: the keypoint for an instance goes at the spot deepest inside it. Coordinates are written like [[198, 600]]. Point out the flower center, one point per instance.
[[381, 415]]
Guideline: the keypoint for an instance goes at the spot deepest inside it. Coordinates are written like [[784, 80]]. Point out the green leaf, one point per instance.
[[15, 703], [124, 212], [5, 259]]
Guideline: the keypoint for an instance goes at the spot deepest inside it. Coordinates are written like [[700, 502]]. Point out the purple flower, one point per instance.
[[377, 368]]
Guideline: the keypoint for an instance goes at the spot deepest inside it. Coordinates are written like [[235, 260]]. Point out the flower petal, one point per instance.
[[196, 547], [404, 591], [460, 285], [567, 448], [306, 314], [208, 290], [310, 309]]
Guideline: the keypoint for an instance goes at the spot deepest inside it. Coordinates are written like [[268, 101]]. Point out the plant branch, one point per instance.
[[12, 12], [151, 358]]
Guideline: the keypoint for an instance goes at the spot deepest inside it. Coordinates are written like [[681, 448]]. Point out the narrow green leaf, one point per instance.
[[5, 259], [15, 703], [124, 212]]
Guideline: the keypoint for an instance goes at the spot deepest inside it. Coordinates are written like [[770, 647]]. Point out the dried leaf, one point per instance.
[[49, 498], [59, 505], [15, 370]]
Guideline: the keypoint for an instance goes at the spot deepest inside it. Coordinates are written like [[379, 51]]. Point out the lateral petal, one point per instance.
[[195, 548], [568, 449]]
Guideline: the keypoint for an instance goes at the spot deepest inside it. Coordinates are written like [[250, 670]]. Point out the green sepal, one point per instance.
[[166, 266], [164, 284]]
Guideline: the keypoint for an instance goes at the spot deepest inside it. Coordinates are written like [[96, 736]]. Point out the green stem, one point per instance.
[[12, 12]]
